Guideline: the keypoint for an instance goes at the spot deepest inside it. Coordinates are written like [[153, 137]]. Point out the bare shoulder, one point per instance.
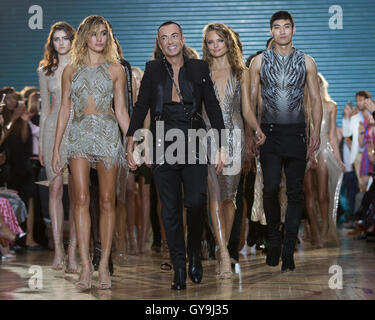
[[310, 63], [117, 71], [332, 106], [256, 62], [68, 72], [245, 75]]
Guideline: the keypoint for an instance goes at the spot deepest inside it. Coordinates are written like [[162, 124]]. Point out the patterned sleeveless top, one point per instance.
[[283, 83], [95, 81]]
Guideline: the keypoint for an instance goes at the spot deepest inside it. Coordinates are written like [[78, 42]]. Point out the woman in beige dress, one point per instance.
[[56, 57]]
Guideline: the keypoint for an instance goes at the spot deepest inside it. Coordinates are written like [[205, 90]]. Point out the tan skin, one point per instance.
[[62, 45], [80, 168], [171, 43], [222, 212]]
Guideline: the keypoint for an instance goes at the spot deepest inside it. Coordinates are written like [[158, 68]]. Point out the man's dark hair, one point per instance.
[[363, 93], [281, 15], [166, 23]]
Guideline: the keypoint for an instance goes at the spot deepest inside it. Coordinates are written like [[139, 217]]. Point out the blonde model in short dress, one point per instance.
[[56, 57], [93, 86]]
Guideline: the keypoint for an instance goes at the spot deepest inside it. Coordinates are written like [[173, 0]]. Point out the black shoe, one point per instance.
[[179, 279], [288, 263], [273, 256], [195, 269], [96, 257]]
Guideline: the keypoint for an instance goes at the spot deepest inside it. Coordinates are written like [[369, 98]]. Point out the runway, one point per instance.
[[28, 276]]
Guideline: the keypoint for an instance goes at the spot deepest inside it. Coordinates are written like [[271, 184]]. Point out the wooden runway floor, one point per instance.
[[142, 279]]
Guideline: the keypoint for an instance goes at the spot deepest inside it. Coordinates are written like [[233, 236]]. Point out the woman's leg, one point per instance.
[[131, 194], [310, 204], [30, 224], [218, 223], [107, 197], [80, 170], [56, 212], [145, 216], [120, 231], [228, 212], [72, 265], [323, 196]]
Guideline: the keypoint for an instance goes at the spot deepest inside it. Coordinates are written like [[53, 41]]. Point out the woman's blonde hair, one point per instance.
[[234, 53], [323, 84], [79, 46]]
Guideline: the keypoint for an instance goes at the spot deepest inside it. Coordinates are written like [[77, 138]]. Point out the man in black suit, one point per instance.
[[174, 88]]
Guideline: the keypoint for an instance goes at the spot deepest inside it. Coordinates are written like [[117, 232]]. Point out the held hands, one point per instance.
[[132, 159], [260, 137], [314, 142]]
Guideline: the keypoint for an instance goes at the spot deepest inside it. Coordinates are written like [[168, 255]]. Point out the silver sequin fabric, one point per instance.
[[283, 84], [95, 137], [224, 187]]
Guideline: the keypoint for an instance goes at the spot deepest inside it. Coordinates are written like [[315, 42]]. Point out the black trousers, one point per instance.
[[285, 146], [169, 180]]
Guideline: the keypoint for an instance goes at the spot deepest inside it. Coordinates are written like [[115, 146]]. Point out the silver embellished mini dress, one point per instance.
[[95, 137]]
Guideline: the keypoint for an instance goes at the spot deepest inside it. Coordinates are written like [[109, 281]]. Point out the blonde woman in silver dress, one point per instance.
[[221, 49], [56, 57], [329, 169], [90, 83]]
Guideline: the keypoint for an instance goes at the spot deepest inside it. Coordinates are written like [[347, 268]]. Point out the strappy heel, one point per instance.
[[85, 285], [60, 265], [105, 285], [225, 266]]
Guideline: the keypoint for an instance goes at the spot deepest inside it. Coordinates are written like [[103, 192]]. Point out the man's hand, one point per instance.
[[348, 111], [314, 142], [131, 160], [3, 158]]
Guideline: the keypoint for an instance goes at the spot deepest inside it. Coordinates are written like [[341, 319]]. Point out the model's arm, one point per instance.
[[370, 105], [119, 97], [63, 117], [333, 135], [248, 110], [316, 102], [45, 108], [139, 114]]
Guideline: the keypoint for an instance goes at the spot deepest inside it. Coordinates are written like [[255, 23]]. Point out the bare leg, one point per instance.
[[323, 196], [72, 265], [120, 231], [80, 169], [218, 222], [107, 197], [145, 216], [229, 211], [130, 210], [56, 212], [30, 224], [310, 207]]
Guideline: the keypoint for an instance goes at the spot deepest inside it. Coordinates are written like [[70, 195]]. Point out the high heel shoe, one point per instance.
[[110, 265], [69, 269], [225, 266], [59, 265], [85, 285], [104, 285], [133, 251]]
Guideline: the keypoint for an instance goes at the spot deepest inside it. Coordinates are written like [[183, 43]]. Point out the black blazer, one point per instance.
[[151, 94]]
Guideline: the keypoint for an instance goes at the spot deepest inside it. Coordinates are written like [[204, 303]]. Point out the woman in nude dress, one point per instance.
[[221, 49], [94, 79], [329, 173], [56, 57]]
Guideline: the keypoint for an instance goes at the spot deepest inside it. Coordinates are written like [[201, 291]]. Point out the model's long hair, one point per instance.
[[234, 53], [80, 48], [50, 59], [323, 84]]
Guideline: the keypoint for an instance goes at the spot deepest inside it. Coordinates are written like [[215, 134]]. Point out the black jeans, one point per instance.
[[285, 146], [169, 180]]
